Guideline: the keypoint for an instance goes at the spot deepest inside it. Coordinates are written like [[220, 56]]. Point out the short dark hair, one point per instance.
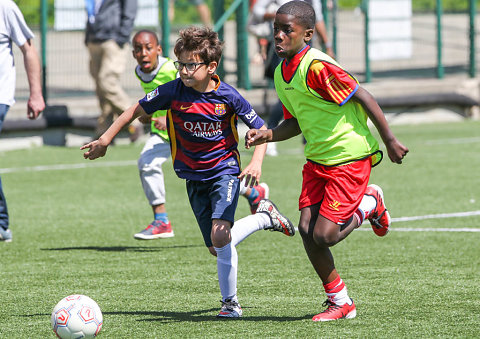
[[301, 10], [202, 41], [147, 31]]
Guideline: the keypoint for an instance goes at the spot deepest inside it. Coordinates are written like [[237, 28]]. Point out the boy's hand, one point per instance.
[[95, 150], [396, 151], [252, 174], [160, 123], [256, 137]]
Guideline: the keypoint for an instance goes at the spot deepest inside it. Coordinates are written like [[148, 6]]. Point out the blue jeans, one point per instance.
[[3, 112], [3, 202]]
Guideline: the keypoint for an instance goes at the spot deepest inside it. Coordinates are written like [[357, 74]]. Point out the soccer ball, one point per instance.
[[76, 316]]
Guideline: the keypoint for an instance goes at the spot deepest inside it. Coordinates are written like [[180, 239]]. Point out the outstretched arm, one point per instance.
[[396, 151], [286, 130], [98, 148], [36, 103]]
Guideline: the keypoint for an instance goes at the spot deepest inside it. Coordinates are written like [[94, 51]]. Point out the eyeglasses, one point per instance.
[[190, 66]]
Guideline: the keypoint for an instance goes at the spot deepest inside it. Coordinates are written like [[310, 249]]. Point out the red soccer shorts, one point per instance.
[[339, 189]]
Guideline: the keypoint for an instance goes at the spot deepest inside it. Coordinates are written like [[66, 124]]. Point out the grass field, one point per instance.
[[73, 221]]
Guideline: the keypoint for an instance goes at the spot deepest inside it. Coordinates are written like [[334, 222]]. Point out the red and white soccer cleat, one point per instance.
[[156, 230], [335, 312], [379, 218], [263, 192]]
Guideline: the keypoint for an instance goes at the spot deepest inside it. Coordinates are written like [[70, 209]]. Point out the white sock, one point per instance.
[[248, 225], [227, 263], [367, 205], [337, 292]]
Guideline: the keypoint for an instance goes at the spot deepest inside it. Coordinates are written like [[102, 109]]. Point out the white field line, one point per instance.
[[433, 229], [88, 164]]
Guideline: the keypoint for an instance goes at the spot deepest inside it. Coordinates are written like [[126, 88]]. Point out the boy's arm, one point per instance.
[[396, 151], [253, 171], [286, 130], [98, 148]]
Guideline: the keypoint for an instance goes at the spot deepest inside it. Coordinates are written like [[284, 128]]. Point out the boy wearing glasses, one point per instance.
[[202, 115], [154, 70]]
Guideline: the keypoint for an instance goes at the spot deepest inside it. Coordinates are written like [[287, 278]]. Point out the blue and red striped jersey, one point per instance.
[[202, 127]]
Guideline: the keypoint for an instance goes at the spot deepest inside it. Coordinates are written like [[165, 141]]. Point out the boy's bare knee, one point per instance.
[[325, 239]]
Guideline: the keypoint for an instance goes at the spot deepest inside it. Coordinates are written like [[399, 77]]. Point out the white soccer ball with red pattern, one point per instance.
[[76, 316]]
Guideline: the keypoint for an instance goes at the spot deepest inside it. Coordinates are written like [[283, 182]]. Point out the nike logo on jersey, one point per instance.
[[184, 108]]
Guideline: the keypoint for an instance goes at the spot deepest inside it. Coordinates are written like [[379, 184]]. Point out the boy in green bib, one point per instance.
[[154, 70], [327, 105]]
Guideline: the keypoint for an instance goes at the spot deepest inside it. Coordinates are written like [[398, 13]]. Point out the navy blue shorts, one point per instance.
[[213, 199]]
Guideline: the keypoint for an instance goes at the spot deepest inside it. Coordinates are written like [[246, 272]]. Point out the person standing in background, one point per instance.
[[13, 28], [109, 25]]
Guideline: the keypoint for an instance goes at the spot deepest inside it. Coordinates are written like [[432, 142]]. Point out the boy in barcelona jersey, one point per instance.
[[202, 115], [328, 106], [154, 70]]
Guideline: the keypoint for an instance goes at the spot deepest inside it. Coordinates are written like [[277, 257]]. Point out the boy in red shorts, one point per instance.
[[326, 104]]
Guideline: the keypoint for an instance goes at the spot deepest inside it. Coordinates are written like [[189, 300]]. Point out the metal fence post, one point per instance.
[[325, 12], [368, 72], [334, 26], [43, 29], [440, 70], [218, 9], [243, 79], [165, 27], [473, 10]]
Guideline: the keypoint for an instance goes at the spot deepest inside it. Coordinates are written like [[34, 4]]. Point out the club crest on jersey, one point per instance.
[[220, 109], [152, 94]]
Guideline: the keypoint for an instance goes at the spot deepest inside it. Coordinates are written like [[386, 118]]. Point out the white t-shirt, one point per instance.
[[12, 28]]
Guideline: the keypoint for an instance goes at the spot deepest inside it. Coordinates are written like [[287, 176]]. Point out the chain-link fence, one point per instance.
[[67, 71]]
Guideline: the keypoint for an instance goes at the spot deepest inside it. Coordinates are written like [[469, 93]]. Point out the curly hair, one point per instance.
[[301, 10], [202, 41]]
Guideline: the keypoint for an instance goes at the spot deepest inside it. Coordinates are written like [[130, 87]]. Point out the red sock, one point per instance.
[[337, 291]]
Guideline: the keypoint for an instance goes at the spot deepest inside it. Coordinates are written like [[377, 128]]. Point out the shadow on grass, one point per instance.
[[200, 316], [191, 316], [119, 248]]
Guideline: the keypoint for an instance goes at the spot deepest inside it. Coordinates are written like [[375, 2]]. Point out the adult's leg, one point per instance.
[[105, 118], [4, 222], [112, 67], [3, 113], [3, 202]]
